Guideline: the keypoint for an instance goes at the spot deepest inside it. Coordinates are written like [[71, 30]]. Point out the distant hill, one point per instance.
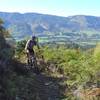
[[24, 25]]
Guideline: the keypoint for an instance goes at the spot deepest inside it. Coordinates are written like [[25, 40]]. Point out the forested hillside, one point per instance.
[[47, 25]]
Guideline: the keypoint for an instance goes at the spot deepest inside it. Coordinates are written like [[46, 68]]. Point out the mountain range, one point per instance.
[[23, 25]]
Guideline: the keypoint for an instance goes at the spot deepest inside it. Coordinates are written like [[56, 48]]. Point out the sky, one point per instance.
[[52, 7]]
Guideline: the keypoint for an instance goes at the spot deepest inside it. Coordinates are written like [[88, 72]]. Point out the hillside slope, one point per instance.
[[41, 24], [17, 83]]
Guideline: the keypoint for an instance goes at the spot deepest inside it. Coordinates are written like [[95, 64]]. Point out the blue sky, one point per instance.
[[54, 7]]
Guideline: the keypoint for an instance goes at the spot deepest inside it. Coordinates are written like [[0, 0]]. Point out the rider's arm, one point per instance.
[[26, 46], [37, 43]]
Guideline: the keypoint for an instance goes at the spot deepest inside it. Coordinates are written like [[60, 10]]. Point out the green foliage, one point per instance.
[[77, 65], [20, 46], [6, 51], [97, 52], [80, 67]]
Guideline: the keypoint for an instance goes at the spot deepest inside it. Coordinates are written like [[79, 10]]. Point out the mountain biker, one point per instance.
[[29, 48]]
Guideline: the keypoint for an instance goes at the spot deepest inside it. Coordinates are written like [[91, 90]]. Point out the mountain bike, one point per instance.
[[32, 64], [31, 61]]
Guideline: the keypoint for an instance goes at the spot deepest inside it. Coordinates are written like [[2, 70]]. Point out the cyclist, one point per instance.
[[29, 48]]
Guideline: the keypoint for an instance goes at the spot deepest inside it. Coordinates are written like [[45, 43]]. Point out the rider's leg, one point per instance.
[[32, 53], [31, 56], [28, 58]]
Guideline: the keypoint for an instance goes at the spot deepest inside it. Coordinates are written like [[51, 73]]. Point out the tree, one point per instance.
[[6, 51]]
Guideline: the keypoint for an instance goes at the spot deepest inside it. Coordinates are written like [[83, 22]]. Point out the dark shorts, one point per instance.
[[31, 51]]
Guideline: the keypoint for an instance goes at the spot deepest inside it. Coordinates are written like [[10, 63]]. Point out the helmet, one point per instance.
[[33, 37]]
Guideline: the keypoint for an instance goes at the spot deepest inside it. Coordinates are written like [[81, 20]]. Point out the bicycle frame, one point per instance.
[[32, 60]]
